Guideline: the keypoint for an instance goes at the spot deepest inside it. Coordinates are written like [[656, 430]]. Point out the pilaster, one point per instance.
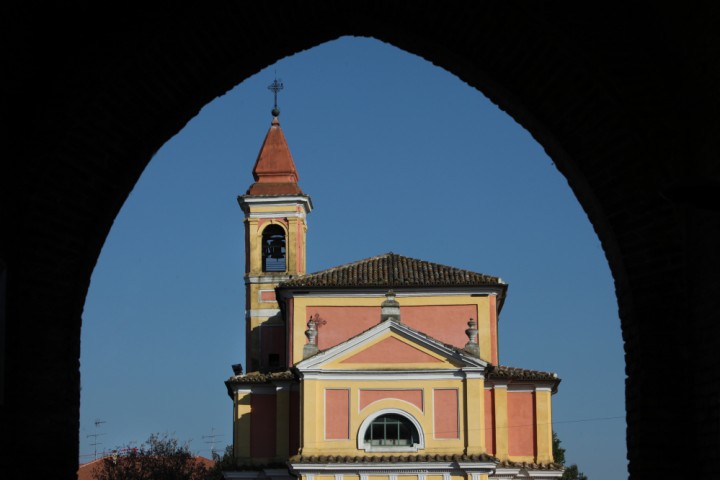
[[282, 433], [543, 424], [310, 419], [474, 413], [501, 421], [242, 423]]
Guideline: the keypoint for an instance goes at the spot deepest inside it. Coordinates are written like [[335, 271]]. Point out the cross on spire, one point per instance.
[[275, 87]]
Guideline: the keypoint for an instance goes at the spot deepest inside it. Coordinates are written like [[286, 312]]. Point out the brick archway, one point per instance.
[[624, 99]]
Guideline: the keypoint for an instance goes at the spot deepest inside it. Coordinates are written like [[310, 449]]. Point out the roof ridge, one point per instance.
[[392, 270]]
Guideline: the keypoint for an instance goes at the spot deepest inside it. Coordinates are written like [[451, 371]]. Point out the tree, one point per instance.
[[558, 451], [571, 472], [226, 462], [158, 458]]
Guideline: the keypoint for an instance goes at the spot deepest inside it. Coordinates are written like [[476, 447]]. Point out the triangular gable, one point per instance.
[[391, 350], [390, 345]]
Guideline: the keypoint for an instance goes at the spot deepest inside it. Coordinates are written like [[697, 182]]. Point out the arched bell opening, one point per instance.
[[274, 251]]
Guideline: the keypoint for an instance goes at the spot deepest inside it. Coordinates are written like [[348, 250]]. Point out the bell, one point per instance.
[[276, 247]]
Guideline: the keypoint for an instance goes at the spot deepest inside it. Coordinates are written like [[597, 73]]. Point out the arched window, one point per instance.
[[390, 431], [274, 254]]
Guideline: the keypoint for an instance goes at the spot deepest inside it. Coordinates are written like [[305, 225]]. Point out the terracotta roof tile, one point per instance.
[[87, 471], [257, 377], [274, 171], [391, 270], [512, 373], [531, 466], [500, 372]]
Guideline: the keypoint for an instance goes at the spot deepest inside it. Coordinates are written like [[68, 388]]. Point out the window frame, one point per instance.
[[362, 445]]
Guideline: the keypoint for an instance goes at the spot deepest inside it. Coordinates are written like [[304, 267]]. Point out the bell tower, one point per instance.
[[275, 226]]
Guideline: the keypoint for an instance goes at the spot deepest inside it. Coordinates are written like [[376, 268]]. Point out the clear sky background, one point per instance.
[[398, 156]]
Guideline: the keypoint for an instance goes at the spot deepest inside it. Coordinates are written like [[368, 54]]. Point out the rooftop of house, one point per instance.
[[87, 471], [391, 270]]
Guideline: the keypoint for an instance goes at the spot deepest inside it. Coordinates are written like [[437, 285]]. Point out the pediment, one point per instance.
[[393, 346], [391, 350]]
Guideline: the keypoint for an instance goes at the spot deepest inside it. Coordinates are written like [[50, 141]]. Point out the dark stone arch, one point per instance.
[[624, 98]]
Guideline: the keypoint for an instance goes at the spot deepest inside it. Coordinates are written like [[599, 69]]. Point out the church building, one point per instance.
[[385, 368]]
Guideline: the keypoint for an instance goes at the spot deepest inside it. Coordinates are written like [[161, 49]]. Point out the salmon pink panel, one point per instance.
[[411, 396], [489, 422], [446, 413], [337, 414], [294, 419], [262, 425], [446, 323], [267, 296], [337, 324], [521, 423], [391, 350]]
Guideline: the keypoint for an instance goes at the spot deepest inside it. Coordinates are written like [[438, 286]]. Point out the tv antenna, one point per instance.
[[212, 440], [95, 435]]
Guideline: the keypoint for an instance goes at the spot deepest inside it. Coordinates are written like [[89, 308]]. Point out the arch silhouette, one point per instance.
[[274, 254], [623, 98]]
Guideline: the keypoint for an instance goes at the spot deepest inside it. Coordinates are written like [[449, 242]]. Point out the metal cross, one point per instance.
[[275, 87]]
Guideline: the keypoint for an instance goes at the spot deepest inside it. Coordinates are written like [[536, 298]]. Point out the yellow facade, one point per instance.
[[241, 425], [354, 397], [262, 309]]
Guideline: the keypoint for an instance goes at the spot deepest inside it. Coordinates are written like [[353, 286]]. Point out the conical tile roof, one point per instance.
[[274, 171]]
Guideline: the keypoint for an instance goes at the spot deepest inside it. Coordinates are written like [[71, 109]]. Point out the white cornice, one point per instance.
[[278, 213], [376, 292], [520, 385], [542, 387], [544, 473], [396, 468], [246, 201], [474, 372], [382, 375], [505, 473], [262, 312], [267, 279]]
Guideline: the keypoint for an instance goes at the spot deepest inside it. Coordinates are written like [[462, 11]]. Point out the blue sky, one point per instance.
[[398, 155]]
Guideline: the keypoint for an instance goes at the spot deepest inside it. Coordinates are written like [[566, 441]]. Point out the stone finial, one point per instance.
[[390, 308], [472, 346], [311, 347]]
